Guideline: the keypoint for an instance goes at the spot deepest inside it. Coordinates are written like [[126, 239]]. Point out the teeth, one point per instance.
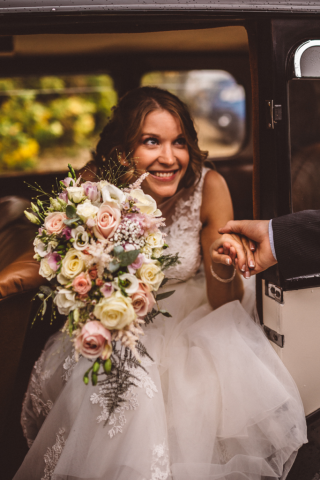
[[162, 174]]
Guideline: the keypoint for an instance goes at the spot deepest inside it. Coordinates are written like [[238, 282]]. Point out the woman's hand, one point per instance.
[[236, 250]]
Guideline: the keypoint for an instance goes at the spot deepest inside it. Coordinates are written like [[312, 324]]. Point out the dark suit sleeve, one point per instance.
[[297, 243]]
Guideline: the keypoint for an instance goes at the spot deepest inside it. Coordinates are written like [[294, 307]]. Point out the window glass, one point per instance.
[[48, 122], [216, 102], [304, 103]]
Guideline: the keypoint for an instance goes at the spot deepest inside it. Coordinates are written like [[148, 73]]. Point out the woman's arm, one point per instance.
[[216, 210]]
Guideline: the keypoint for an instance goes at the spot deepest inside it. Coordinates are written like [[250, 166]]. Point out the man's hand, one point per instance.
[[258, 232]]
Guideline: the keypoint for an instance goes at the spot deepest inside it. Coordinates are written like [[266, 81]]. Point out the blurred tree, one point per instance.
[[38, 114]]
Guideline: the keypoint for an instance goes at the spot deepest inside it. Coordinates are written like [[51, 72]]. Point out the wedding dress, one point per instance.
[[215, 403]]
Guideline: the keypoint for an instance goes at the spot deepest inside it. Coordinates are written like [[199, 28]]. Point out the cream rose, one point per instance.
[[72, 264], [45, 270], [155, 240], [76, 194], [108, 219], [115, 312], [157, 252], [147, 251], [144, 202], [151, 275], [86, 210], [54, 222], [66, 301]]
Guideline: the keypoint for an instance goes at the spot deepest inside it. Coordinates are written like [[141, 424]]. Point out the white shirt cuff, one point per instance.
[[271, 240]]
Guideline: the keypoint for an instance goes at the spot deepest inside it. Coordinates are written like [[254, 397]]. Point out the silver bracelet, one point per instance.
[[222, 280]]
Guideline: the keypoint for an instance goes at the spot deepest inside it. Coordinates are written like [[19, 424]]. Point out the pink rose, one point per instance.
[[94, 341], [93, 272], [108, 219], [82, 283], [54, 222], [91, 191], [143, 300], [99, 282]]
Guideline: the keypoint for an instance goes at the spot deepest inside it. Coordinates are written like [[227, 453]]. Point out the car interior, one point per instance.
[[208, 68]]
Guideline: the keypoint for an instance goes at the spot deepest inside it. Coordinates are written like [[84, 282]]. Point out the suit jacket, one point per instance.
[[297, 243]]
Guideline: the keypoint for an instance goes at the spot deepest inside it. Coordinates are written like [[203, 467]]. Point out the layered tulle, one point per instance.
[[217, 403]]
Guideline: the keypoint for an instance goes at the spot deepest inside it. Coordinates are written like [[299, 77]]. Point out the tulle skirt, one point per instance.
[[215, 403]]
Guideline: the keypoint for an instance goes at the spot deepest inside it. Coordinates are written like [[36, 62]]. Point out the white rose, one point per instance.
[[131, 282], [86, 210], [72, 264], [110, 193], [151, 275], [115, 312], [144, 202], [39, 247], [155, 240], [147, 251], [76, 194], [66, 301], [81, 238], [45, 269], [157, 252]]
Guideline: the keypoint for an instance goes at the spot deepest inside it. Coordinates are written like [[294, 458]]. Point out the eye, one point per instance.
[[151, 141], [180, 141]]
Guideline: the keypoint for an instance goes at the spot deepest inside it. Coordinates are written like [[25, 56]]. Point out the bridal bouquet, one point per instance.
[[101, 249]]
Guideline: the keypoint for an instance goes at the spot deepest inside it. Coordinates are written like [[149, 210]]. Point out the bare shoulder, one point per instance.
[[215, 197]]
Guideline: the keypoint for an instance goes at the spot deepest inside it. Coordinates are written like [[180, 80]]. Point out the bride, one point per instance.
[[216, 402]]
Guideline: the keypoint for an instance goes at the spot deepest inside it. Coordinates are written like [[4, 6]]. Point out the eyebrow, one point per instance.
[[156, 135]]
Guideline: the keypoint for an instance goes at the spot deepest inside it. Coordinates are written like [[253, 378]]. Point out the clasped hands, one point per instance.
[[244, 244]]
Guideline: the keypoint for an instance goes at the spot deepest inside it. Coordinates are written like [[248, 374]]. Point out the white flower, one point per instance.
[[147, 251], [144, 202], [151, 275], [112, 193], [157, 252], [55, 205], [66, 301], [72, 264], [39, 247], [115, 312], [86, 210], [131, 281], [45, 269], [81, 238], [76, 194], [155, 240]]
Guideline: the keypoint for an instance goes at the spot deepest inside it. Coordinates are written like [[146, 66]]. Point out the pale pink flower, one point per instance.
[[94, 341], [143, 300], [107, 289], [91, 191], [53, 260], [108, 219], [82, 283], [136, 264], [64, 196], [54, 222]]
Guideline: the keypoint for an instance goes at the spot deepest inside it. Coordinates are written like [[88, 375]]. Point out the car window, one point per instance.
[[216, 102], [48, 122], [304, 105]]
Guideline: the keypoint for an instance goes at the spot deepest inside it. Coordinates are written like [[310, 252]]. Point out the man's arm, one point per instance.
[[296, 242]]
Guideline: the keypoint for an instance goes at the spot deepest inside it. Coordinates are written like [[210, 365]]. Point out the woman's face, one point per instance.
[[163, 152]]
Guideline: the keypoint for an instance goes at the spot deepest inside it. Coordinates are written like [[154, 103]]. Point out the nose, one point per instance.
[[167, 155]]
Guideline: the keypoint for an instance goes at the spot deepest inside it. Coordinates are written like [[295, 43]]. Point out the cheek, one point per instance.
[[143, 158]]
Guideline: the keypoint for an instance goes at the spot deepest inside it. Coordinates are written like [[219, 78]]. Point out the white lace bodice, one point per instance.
[[183, 234]]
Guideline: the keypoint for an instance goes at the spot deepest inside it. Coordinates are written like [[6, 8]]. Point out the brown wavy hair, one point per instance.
[[121, 134]]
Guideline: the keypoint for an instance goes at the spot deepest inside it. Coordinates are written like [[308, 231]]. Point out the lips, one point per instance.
[[164, 175]]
